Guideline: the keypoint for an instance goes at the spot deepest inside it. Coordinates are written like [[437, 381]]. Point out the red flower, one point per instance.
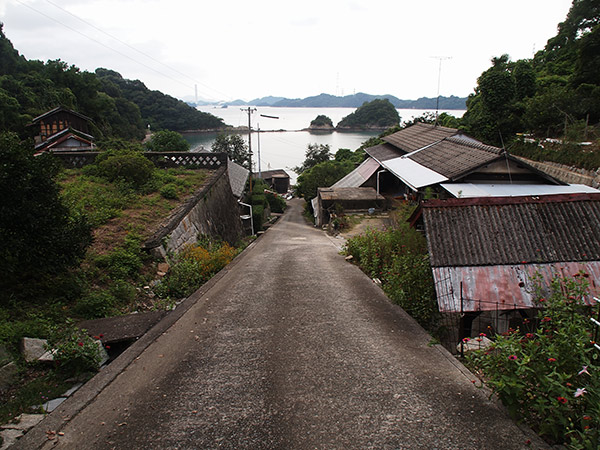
[[80, 344], [529, 335], [513, 357], [587, 418], [561, 400], [551, 359]]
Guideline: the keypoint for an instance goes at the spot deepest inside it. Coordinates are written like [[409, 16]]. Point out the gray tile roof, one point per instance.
[[383, 152], [418, 136], [513, 230], [455, 156]]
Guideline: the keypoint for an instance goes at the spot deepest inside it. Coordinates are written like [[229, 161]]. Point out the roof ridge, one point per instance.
[[473, 143], [508, 200]]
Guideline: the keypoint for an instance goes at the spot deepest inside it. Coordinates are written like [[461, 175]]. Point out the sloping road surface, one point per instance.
[[292, 348]]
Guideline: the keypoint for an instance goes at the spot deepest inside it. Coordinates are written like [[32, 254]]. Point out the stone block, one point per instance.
[[9, 437], [24, 422], [33, 348]]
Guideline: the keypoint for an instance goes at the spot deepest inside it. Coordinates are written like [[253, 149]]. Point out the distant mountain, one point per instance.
[[266, 101], [354, 101]]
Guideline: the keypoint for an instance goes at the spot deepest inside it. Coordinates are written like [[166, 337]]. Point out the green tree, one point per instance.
[[40, 236], [315, 154], [167, 141], [235, 147], [323, 174]]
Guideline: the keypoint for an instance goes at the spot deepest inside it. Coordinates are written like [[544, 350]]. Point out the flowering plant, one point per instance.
[[549, 376], [74, 351]]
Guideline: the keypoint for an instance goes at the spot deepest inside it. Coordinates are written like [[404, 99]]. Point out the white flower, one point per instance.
[[579, 392]]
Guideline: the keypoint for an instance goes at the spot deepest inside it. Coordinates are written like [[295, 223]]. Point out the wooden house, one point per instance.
[[62, 129]]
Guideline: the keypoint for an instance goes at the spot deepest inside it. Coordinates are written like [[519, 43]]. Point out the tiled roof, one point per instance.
[[418, 136], [383, 152], [455, 156], [513, 230]]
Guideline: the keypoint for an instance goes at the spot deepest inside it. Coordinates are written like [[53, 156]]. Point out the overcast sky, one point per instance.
[[246, 49]]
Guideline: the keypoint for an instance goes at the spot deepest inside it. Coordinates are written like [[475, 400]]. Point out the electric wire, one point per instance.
[[107, 46], [139, 51]]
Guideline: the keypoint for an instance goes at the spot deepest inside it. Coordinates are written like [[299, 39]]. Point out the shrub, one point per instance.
[[258, 217], [194, 266], [276, 203], [169, 191], [129, 167], [95, 305], [550, 376], [124, 261], [399, 259], [76, 352]]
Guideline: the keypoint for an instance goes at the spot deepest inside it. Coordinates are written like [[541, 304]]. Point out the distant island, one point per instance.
[[347, 101], [376, 115]]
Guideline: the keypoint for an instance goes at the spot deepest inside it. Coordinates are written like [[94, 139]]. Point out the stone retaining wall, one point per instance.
[[212, 211]]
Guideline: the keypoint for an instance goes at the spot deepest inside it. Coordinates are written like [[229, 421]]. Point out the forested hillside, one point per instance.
[[119, 107], [555, 94]]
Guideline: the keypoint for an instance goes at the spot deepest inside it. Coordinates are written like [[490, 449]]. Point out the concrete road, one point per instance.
[[292, 348]]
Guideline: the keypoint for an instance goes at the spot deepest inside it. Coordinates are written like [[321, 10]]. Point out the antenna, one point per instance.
[[437, 103]]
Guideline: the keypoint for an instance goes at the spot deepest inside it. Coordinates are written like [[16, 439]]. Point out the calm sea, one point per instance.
[[280, 142]]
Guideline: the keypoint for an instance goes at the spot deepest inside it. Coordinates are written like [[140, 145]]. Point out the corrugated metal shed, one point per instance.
[[418, 136], [412, 173], [468, 190], [486, 251], [383, 152], [454, 157], [489, 288], [513, 230]]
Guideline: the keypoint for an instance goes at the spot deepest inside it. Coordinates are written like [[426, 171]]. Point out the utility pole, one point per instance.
[[249, 110], [437, 103]]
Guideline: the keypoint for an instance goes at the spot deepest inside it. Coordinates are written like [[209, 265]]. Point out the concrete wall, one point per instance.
[[212, 211]]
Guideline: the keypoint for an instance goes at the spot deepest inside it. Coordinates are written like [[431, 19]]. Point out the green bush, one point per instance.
[[258, 217], [125, 261], [549, 375], [169, 191], [259, 199], [95, 305], [276, 203], [129, 167], [76, 352], [398, 258]]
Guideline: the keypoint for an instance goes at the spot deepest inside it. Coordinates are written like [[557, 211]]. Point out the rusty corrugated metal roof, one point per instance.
[[455, 156], [502, 287], [418, 136], [513, 230]]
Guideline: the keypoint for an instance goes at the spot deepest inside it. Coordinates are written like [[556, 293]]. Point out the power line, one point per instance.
[[114, 49], [137, 50]]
